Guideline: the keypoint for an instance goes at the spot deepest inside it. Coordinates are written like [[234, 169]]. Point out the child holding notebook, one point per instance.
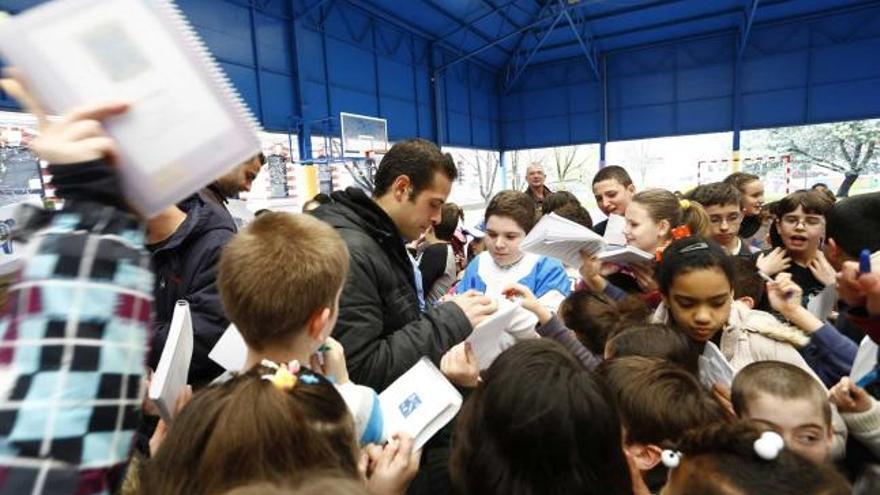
[[86, 282]]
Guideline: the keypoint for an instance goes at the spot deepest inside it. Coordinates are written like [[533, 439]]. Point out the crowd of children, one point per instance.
[[742, 359]]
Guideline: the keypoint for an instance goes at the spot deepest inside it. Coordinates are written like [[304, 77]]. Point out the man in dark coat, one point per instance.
[[536, 190], [380, 324], [186, 241]]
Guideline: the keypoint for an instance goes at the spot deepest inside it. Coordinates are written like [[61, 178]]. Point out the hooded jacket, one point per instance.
[[380, 325], [751, 335], [186, 268]]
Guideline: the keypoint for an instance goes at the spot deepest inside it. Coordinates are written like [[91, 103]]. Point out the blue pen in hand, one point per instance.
[[768, 278], [868, 379], [865, 261]]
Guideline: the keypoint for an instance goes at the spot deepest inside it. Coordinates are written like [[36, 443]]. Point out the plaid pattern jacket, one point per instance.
[[73, 340]]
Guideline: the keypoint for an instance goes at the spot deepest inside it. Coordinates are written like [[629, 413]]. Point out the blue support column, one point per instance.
[[502, 154], [376, 68], [743, 41], [437, 92], [303, 136], [470, 104], [502, 164], [412, 60], [256, 54], [736, 111], [604, 112]]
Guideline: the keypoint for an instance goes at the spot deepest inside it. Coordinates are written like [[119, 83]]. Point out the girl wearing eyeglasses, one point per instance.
[[799, 227]]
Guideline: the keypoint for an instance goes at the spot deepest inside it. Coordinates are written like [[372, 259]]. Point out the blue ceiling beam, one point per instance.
[[313, 8], [516, 68], [589, 52], [544, 12], [473, 53], [483, 36], [623, 11], [496, 8], [733, 31], [391, 19], [480, 17], [750, 18], [660, 25]]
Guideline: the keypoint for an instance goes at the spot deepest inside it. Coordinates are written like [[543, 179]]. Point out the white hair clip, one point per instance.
[[769, 445], [671, 458]]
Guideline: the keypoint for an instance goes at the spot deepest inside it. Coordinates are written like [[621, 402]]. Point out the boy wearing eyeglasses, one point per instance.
[[722, 203]]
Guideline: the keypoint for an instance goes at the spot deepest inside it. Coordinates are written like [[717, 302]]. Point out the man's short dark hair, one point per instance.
[[615, 172], [715, 194], [854, 225], [418, 159]]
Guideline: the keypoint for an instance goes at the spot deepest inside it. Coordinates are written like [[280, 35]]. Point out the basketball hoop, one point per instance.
[[375, 154]]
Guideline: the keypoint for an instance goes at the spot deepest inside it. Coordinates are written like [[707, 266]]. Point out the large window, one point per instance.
[[843, 155]]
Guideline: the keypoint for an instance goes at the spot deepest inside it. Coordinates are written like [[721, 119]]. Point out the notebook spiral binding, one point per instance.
[[195, 42]]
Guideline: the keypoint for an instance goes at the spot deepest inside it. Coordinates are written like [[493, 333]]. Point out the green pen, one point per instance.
[[320, 354]]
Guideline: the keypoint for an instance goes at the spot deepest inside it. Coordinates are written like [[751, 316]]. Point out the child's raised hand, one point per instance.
[[521, 291], [848, 397], [78, 137], [460, 366], [528, 301], [391, 468], [848, 287], [476, 306], [721, 394], [645, 277], [773, 262], [161, 430], [591, 272], [330, 361], [859, 289], [822, 269], [784, 294]]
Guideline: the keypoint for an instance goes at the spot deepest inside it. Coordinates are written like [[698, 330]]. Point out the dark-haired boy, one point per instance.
[[722, 203], [658, 403]]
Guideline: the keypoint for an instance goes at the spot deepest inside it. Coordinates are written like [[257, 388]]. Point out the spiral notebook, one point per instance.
[[626, 255], [186, 125], [170, 377], [562, 239]]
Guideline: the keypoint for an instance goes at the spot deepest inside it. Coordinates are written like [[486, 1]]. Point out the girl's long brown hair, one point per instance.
[[247, 430]]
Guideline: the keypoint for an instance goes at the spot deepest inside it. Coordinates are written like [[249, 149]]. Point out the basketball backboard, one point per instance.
[[362, 134]]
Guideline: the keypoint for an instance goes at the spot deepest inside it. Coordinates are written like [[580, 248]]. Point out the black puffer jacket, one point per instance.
[[380, 325], [186, 268]]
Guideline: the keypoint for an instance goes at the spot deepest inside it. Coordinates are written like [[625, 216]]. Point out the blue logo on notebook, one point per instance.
[[6, 235], [410, 404]]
